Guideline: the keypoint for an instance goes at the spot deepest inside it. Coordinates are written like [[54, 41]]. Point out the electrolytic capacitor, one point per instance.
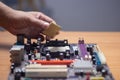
[[94, 61], [28, 40], [38, 48], [20, 39], [72, 54], [76, 52], [90, 49], [23, 72], [104, 72], [39, 41], [61, 56], [17, 74], [12, 69], [67, 55], [27, 48], [34, 44], [81, 73], [93, 57], [48, 56], [99, 68], [13, 64], [29, 56]]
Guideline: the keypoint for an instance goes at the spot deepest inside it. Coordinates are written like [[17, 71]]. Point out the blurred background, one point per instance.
[[76, 15]]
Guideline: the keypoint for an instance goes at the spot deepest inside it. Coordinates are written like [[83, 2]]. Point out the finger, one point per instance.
[[40, 23], [45, 18], [57, 33]]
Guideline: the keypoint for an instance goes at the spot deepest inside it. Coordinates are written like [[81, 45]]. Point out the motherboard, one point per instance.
[[57, 60]]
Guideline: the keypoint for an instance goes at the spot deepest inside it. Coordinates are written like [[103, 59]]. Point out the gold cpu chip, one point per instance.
[[52, 30]]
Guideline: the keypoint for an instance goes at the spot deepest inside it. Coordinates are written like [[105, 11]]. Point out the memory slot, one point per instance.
[[46, 71]]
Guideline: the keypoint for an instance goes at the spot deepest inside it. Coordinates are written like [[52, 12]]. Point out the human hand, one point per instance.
[[31, 24]]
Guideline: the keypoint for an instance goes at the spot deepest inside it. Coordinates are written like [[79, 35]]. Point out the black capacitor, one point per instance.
[[94, 61], [17, 76], [13, 64], [72, 54], [12, 69], [81, 73], [99, 68], [76, 52], [27, 48], [34, 44], [61, 56], [29, 56], [17, 64], [93, 57], [67, 55], [90, 49], [48, 57], [38, 48], [104, 72], [39, 41], [23, 72], [28, 40], [20, 39]]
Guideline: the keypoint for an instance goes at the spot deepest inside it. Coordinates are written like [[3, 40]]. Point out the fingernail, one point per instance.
[[46, 24]]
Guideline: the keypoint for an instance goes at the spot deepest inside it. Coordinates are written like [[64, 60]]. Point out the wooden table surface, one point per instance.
[[109, 43]]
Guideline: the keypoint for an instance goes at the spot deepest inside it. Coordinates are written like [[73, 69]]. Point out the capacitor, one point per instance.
[[48, 56], [34, 44], [29, 56], [20, 39], [17, 74], [39, 41], [76, 52], [27, 48], [81, 73], [12, 69], [61, 56], [94, 61], [13, 64], [23, 72], [72, 54], [93, 57], [99, 68], [38, 48], [90, 49], [67, 55], [33, 56], [28, 40], [104, 72]]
